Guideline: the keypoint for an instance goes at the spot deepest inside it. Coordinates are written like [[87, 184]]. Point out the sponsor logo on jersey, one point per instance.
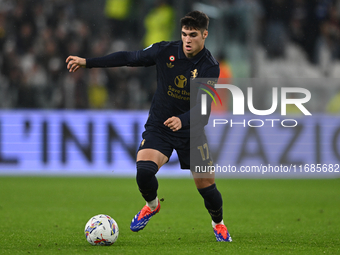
[[180, 81]]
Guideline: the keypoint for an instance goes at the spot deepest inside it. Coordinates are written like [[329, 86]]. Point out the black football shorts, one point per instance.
[[197, 151]]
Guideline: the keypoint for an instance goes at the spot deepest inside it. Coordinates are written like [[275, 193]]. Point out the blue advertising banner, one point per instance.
[[307, 146], [105, 143], [72, 142]]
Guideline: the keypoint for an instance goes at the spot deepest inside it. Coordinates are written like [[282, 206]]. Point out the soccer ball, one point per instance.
[[101, 230]]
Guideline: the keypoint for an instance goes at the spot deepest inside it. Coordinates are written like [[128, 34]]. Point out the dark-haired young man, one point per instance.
[[168, 125]]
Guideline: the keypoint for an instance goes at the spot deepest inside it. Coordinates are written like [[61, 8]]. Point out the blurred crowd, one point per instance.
[[36, 36], [314, 26]]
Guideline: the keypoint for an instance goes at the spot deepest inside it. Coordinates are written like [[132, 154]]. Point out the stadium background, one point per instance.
[[89, 122], [67, 141]]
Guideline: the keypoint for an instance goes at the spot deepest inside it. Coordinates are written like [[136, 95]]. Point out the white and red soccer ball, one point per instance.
[[101, 230]]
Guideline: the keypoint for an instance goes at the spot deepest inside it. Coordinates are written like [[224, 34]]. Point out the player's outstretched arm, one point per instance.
[[74, 63]]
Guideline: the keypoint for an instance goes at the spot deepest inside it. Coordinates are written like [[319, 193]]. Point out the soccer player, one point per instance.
[[168, 126]]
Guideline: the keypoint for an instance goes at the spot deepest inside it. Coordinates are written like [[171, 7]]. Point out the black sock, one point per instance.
[[146, 179], [213, 202]]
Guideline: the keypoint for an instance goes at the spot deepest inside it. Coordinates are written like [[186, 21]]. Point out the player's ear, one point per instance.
[[205, 34]]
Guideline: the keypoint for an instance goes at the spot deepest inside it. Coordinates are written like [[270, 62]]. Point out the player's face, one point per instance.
[[193, 41]]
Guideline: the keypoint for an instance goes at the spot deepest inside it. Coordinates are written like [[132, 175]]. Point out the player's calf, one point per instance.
[[148, 185], [146, 179]]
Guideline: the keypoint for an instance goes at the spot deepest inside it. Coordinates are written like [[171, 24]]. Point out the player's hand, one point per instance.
[[174, 123], [74, 63]]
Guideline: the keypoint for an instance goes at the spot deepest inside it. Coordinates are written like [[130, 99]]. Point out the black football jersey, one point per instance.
[[174, 73]]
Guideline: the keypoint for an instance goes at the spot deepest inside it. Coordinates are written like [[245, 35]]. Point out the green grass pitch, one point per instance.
[[47, 215]]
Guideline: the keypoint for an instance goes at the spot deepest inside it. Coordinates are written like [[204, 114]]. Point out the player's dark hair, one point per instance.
[[195, 20]]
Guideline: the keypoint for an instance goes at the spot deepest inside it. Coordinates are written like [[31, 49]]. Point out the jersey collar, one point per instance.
[[195, 59]]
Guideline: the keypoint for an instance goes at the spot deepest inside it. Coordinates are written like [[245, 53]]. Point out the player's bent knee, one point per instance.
[[152, 155], [204, 182], [146, 170]]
